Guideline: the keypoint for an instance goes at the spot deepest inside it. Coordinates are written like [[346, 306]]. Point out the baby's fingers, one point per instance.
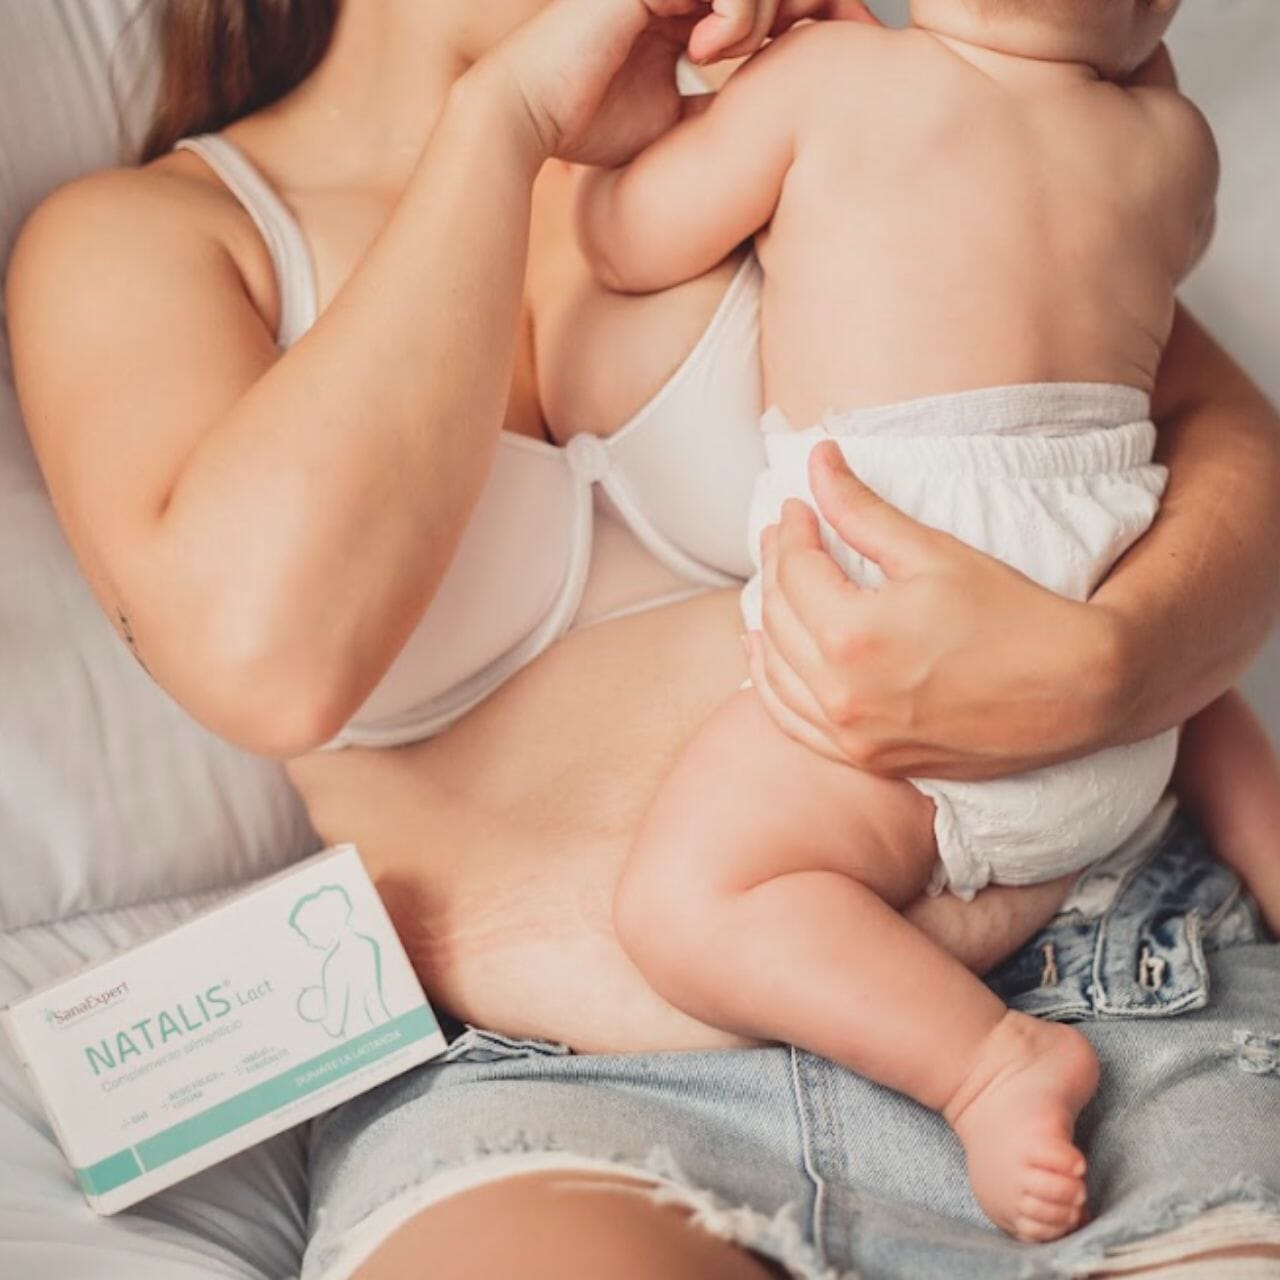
[[733, 29]]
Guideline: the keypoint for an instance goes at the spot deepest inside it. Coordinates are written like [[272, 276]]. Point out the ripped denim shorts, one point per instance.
[[829, 1175]]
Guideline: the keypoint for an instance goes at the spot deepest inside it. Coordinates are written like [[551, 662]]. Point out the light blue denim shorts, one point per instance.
[[1158, 956]]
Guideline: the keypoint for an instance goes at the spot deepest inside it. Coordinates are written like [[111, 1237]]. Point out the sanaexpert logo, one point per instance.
[[95, 1002]]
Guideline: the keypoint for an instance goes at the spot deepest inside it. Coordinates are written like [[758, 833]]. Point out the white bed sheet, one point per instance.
[[243, 1220]]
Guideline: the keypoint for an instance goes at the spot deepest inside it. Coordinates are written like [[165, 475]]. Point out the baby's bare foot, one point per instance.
[[1016, 1115]]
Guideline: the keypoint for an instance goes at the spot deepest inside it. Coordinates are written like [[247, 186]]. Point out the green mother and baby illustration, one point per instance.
[[349, 996]]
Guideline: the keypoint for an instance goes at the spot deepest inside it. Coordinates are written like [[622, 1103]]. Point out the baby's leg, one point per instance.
[[761, 897], [1228, 776]]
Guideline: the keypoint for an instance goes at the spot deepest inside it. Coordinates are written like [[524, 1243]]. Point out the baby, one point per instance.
[[972, 234]]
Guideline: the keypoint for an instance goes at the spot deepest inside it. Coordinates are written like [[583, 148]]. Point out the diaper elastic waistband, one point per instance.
[[1032, 408], [1050, 429]]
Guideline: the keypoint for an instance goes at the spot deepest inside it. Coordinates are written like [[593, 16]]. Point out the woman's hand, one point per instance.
[[958, 666], [597, 77]]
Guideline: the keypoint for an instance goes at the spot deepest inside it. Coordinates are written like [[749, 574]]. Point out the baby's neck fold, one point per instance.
[[1016, 68]]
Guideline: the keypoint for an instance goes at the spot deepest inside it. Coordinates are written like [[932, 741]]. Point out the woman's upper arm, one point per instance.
[[132, 334], [1198, 594]]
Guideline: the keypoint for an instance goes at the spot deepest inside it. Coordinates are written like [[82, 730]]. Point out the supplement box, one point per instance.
[[278, 1003]]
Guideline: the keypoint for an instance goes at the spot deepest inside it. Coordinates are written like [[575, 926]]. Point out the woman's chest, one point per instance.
[[596, 359], [670, 380], [586, 359]]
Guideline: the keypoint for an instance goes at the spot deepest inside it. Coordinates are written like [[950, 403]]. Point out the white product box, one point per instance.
[[278, 1003]]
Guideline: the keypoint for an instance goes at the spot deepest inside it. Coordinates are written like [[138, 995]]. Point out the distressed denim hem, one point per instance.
[[1244, 1213], [777, 1237]]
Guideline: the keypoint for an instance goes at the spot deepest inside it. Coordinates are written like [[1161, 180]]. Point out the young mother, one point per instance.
[[324, 401]]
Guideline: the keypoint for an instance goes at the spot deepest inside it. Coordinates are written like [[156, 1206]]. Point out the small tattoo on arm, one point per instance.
[[126, 631]]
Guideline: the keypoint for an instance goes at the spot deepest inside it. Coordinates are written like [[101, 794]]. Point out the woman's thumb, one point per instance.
[[863, 519]]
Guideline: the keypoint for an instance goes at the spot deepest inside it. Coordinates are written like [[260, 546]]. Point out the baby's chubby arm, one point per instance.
[[1191, 169], [687, 201]]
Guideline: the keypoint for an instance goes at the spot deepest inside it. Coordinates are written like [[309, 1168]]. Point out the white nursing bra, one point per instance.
[[679, 474]]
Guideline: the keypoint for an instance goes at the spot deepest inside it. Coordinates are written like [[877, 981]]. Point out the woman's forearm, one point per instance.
[[1194, 599], [366, 445]]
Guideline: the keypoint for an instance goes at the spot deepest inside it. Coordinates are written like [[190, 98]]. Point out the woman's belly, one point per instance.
[[497, 845]]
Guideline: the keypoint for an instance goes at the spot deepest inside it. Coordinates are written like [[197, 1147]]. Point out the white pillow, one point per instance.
[[109, 793]]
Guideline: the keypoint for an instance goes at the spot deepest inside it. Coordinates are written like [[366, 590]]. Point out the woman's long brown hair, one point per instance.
[[223, 59]]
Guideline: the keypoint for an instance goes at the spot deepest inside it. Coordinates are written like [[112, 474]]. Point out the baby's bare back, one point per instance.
[[983, 225]]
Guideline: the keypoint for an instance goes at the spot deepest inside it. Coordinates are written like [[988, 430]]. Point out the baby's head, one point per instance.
[[1116, 36]]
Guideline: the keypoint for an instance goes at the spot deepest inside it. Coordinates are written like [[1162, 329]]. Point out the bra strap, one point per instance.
[[295, 275]]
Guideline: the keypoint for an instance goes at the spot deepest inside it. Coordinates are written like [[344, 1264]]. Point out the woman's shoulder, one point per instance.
[[117, 206], [113, 229]]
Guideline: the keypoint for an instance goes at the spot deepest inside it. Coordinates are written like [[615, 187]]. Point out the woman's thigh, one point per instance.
[[554, 1225], [703, 1149], [559, 1225], [785, 1154], [1250, 1262]]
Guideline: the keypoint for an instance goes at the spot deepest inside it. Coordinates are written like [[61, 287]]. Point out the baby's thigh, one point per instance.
[[745, 804]]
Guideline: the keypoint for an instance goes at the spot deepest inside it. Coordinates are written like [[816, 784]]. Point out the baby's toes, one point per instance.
[[1032, 1231], [1054, 1188], [1046, 1213], [1056, 1155]]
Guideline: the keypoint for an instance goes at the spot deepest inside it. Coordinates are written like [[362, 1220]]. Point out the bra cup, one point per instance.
[[681, 475], [686, 466], [520, 535]]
